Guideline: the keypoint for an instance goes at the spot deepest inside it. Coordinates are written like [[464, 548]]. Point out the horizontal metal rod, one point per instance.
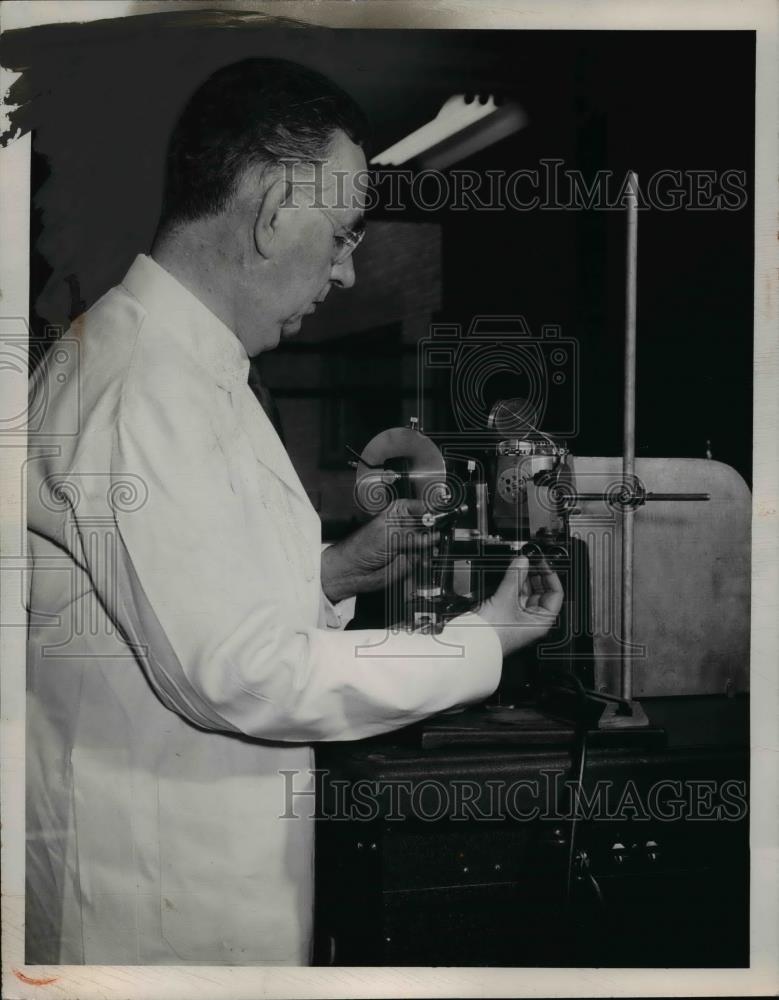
[[678, 496], [648, 496], [429, 519]]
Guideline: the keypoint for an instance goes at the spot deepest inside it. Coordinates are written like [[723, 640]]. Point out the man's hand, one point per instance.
[[378, 554], [526, 604]]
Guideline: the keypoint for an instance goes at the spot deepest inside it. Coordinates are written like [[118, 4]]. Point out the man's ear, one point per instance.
[[267, 221]]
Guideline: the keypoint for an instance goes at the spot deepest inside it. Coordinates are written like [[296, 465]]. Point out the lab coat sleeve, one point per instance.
[[221, 639], [335, 615]]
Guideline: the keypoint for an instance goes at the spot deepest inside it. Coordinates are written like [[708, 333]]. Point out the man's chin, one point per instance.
[[291, 326]]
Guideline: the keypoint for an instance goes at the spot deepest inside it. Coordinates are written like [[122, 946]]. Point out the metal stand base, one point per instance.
[[623, 715], [566, 698]]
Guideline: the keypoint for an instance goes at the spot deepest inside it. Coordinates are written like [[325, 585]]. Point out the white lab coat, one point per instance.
[[181, 652]]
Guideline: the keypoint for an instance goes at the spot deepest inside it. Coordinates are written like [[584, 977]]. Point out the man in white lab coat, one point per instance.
[[184, 643]]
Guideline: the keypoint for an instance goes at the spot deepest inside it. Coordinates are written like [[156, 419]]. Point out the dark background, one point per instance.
[[101, 97]]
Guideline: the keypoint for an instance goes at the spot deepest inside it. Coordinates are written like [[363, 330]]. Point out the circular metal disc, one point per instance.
[[425, 464]]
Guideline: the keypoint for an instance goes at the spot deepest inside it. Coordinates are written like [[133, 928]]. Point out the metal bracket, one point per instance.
[[619, 714]]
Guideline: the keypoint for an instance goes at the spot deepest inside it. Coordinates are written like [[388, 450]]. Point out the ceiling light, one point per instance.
[[461, 128]]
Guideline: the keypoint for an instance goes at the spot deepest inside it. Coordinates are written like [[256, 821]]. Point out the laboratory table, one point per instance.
[[482, 839]]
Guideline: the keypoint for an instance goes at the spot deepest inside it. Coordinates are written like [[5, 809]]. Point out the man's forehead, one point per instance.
[[345, 176], [344, 191], [338, 181], [345, 154]]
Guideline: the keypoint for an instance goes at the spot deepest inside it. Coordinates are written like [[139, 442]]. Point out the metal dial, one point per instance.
[[510, 484]]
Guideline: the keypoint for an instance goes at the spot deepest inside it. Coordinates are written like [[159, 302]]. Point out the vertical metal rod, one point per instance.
[[482, 503], [629, 434]]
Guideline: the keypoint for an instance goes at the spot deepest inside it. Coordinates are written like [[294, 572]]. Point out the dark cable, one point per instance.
[[582, 754], [597, 889], [572, 682]]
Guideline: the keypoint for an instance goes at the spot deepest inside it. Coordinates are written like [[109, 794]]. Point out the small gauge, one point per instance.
[[511, 484]]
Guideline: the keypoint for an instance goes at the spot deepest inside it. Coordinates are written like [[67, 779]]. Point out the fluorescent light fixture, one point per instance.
[[460, 129]]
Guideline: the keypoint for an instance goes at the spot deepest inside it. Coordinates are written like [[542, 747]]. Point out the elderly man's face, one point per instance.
[[301, 247]]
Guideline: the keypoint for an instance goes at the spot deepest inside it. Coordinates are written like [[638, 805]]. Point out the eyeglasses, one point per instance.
[[347, 240]]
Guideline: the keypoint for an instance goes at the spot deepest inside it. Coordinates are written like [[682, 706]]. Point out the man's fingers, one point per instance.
[[405, 511], [551, 594], [549, 578], [536, 588], [514, 582], [407, 531]]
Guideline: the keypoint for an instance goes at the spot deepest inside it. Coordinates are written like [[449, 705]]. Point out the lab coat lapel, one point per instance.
[[265, 442], [299, 523], [199, 333]]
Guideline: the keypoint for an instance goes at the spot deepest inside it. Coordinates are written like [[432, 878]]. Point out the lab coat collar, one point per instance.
[[211, 343], [216, 348]]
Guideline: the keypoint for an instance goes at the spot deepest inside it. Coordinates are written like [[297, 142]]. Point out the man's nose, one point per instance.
[[343, 274]]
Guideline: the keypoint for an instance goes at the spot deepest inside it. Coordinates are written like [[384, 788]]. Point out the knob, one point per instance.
[[618, 852]]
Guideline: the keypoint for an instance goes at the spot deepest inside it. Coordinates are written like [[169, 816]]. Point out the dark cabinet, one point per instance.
[[658, 875]]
